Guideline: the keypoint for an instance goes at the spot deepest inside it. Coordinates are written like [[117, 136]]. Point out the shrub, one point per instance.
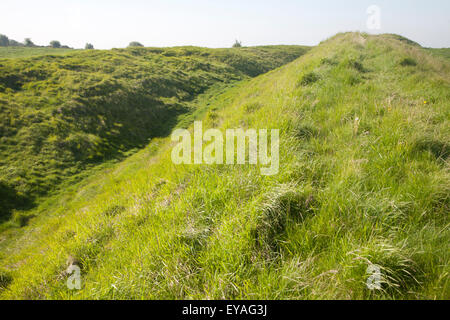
[[4, 41], [55, 44], [89, 46], [135, 44]]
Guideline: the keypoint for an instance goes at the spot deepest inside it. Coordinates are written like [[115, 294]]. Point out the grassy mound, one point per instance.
[[60, 114], [363, 183]]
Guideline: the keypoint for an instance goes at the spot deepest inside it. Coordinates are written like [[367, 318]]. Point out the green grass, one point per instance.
[[442, 52], [363, 180], [61, 115], [26, 52]]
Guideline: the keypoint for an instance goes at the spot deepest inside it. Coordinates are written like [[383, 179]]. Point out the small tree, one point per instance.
[[27, 42], [55, 44], [135, 44], [89, 46], [4, 40], [237, 44]]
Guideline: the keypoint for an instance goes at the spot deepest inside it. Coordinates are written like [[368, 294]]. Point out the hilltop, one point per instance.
[[363, 182], [62, 114]]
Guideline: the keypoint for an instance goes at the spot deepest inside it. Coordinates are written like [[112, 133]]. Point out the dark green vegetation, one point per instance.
[[60, 114], [364, 180]]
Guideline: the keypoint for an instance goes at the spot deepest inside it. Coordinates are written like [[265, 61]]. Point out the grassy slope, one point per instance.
[[363, 179], [25, 52], [61, 114], [442, 52]]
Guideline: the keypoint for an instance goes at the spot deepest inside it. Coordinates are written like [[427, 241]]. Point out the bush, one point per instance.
[[27, 42], [89, 46], [135, 44], [55, 44], [408, 62]]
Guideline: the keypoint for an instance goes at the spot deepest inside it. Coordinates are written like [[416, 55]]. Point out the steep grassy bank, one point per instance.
[[363, 181], [62, 114], [442, 52]]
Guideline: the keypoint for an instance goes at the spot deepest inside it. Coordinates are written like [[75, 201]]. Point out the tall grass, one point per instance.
[[363, 181]]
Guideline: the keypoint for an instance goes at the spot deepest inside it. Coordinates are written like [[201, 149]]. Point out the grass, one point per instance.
[[442, 52], [61, 115], [363, 181], [26, 52]]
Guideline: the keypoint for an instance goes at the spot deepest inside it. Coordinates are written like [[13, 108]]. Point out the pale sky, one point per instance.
[[115, 23]]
